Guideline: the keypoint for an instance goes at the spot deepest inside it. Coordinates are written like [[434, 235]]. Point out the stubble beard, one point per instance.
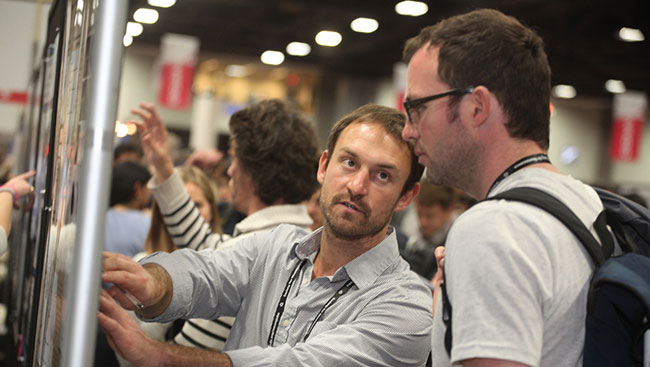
[[350, 231], [457, 162]]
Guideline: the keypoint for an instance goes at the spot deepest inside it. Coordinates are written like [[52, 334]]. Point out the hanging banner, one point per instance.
[[627, 126], [178, 55]]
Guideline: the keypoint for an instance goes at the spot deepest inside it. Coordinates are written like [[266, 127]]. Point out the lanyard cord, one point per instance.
[[283, 300], [523, 162]]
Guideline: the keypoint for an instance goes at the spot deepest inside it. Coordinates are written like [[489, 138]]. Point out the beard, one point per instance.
[[348, 226], [455, 162]]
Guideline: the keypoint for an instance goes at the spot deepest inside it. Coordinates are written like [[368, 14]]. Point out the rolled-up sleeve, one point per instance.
[[207, 283]]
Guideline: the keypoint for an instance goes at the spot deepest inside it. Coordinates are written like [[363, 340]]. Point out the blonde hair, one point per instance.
[[159, 238]]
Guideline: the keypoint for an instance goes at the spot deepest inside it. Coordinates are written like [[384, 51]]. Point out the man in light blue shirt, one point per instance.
[[340, 296]]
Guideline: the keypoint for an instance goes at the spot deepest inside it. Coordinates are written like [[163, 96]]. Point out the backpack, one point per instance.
[[618, 308]]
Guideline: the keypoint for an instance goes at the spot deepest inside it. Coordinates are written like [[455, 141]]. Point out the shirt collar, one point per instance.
[[364, 269]]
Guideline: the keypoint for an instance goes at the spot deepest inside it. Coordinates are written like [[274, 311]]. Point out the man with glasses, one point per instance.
[[478, 91]]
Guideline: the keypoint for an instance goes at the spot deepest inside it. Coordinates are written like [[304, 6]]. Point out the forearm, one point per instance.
[[6, 206], [163, 292], [180, 356]]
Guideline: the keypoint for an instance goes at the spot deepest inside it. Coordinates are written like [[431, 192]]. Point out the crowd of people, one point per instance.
[[275, 253]]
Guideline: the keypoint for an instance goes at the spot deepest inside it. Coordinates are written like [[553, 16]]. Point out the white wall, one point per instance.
[[21, 23]]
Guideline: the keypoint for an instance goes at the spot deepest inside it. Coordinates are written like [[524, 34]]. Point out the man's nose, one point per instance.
[[409, 132], [358, 184]]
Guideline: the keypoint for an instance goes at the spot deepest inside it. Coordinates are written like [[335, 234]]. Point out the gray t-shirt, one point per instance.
[[517, 278]]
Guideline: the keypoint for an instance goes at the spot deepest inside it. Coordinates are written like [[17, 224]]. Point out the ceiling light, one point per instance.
[[162, 3], [127, 40], [298, 49], [328, 38], [564, 91], [411, 8], [236, 71], [615, 86], [121, 130], [272, 57], [134, 29], [631, 34], [144, 15], [364, 25]]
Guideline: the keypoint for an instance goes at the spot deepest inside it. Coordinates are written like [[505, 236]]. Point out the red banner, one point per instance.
[[178, 54], [627, 126], [626, 138], [176, 85]]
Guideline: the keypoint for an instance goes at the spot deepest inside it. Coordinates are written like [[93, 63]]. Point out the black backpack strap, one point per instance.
[[446, 312], [555, 207]]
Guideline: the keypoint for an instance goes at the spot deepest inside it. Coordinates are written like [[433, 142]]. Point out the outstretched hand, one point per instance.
[[129, 276], [154, 141], [22, 188], [124, 335]]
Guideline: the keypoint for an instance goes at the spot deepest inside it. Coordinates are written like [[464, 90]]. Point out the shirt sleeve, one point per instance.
[[207, 283], [182, 218], [393, 330], [496, 270]]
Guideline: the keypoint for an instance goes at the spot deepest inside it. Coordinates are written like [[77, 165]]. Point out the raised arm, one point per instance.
[[154, 141]]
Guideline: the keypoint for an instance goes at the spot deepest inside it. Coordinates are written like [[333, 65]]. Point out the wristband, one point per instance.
[[10, 190]]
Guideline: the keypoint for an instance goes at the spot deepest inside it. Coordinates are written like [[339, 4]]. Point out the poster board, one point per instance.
[[51, 145]]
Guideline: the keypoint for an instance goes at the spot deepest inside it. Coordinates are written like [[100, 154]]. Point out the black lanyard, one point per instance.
[[525, 161], [283, 300]]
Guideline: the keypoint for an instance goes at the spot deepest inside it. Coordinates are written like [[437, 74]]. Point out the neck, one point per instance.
[[255, 204], [336, 252], [124, 207], [500, 160]]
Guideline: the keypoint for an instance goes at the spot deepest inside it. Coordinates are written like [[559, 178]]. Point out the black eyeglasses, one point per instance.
[[414, 113]]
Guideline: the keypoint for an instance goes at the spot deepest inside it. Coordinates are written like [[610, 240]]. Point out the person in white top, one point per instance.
[[477, 100]]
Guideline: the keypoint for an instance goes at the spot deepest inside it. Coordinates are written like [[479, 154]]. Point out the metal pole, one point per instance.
[[82, 291]]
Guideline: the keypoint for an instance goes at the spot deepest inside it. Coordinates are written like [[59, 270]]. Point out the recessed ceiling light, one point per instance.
[[298, 49], [162, 3], [364, 25], [236, 71], [564, 91], [127, 40], [272, 57], [631, 34], [615, 86], [411, 8], [134, 29], [328, 38], [147, 16]]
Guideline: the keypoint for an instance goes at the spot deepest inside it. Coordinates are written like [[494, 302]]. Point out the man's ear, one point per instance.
[[322, 166], [480, 99], [407, 198]]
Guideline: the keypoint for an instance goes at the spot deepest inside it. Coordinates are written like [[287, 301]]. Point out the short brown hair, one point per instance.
[[391, 120], [277, 146], [486, 47]]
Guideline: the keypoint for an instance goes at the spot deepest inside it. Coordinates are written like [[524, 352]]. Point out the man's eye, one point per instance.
[[348, 163], [383, 176]]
